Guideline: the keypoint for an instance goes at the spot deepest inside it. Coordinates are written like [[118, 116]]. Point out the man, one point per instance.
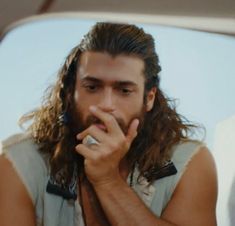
[[107, 147]]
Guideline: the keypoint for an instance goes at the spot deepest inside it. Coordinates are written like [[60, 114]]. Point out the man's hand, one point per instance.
[[189, 205], [102, 160]]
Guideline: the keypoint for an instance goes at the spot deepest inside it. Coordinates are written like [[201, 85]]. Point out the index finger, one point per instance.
[[109, 120]]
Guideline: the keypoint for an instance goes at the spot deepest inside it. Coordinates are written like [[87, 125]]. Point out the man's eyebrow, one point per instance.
[[125, 83], [91, 79], [116, 83]]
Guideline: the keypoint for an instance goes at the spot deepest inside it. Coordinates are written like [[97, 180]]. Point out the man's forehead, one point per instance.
[[97, 63], [95, 57]]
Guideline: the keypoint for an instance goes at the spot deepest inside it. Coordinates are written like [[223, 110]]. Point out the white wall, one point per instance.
[[224, 152]]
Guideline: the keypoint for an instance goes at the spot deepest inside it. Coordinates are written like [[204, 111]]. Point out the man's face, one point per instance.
[[113, 84]]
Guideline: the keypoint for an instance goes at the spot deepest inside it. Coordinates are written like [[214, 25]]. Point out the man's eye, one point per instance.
[[91, 88], [126, 91]]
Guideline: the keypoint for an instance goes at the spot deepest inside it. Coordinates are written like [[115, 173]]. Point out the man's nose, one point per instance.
[[106, 102]]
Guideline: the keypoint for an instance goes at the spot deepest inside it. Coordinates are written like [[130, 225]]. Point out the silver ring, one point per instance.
[[89, 140]]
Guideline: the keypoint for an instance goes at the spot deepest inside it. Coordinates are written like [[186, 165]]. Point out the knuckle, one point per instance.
[[109, 119], [116, 146], [113, 145]]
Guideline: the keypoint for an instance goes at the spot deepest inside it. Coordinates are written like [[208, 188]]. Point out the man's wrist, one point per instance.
[[109, 184]]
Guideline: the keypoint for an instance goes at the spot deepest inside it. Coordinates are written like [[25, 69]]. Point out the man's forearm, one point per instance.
[[124, 208]]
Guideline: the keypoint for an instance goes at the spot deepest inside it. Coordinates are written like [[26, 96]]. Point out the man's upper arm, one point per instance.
[[194, 200], [16, 207]]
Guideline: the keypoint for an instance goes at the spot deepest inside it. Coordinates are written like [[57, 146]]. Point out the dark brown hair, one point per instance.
[[163, 127]]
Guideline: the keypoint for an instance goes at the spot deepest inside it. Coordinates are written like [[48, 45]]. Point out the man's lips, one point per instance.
[[101, 126]]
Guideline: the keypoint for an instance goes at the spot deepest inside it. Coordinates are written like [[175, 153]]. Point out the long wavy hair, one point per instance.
[[52, 128]]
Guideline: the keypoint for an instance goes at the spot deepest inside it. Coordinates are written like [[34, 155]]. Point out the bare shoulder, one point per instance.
[[194, 199], [16, 205]]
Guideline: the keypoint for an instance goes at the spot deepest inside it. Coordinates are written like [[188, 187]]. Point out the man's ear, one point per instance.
[[150, 98]]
